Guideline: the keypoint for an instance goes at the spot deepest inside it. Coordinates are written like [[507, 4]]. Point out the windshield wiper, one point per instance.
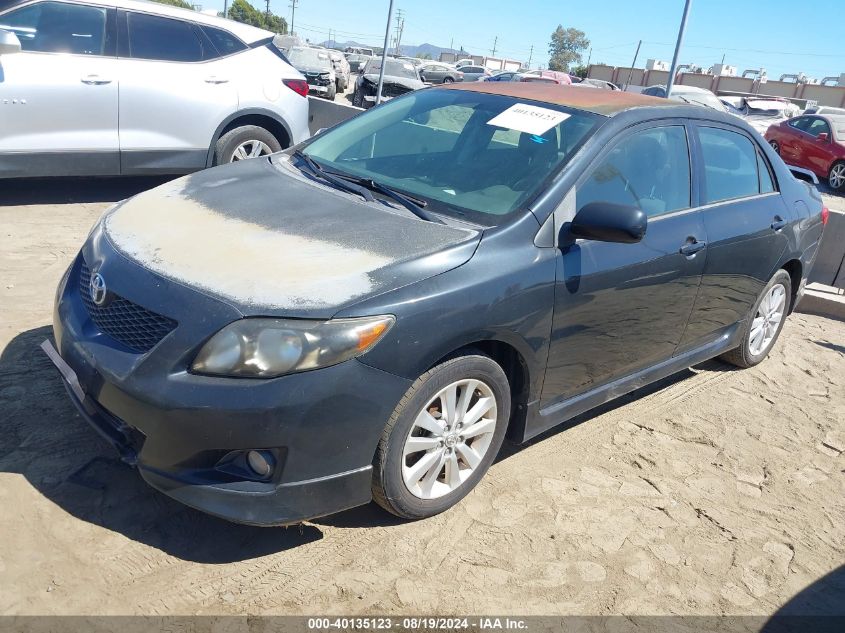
[[340, 183], [414, 205]]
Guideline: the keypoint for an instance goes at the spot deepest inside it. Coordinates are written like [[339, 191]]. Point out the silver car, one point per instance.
[[111, 87]]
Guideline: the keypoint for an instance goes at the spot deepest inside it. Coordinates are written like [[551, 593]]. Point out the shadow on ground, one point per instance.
[[25, 191], [820, 608], [44, 439]]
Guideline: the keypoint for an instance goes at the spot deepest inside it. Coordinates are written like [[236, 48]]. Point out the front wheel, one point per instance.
[[775, 146], [765, 322], [448, 80], [442, 437], [836, 176]]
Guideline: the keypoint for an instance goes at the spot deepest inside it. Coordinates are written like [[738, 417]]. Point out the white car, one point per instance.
[[113, 87]]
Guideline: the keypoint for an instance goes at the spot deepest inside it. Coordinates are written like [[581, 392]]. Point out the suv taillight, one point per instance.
[[825, 215], [299, 86]]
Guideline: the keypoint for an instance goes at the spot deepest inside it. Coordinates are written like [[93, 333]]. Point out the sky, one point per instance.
[[750, 33]]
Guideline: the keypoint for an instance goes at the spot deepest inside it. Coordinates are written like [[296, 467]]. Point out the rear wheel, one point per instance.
[[442, 437], [836, 176], [357, 99], [247, 141], [764, 323]]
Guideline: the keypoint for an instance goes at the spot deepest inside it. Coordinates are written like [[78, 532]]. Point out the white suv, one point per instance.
[[113, 87]]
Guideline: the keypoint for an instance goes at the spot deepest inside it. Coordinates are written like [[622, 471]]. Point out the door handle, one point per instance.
[[95, 80], [692, 247], [778, 223], [215, 80]]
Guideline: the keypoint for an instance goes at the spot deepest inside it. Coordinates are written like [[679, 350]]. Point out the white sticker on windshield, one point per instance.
[[528, 118]]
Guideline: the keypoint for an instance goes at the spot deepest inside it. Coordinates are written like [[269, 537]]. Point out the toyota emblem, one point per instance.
[[97, 289]]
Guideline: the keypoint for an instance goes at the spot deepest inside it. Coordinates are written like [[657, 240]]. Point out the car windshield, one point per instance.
[[480, 156], [701, 98], [393, 68], [300, 57]]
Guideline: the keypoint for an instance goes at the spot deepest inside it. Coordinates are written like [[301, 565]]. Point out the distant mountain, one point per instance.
[[411, 51]]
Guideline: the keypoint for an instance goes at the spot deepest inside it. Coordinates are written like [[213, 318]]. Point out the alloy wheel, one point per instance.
[[449, 439], [251, 149], [766, 322], [837, 176], [775, 146]]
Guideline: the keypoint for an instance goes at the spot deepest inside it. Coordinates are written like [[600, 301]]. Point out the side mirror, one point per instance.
[[823, 136], [9, 43], [608, 222]]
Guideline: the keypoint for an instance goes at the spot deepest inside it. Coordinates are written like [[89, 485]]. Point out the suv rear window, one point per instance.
[[163, 39]]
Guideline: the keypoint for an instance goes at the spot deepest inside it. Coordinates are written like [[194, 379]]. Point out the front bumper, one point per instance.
[[178, 428]]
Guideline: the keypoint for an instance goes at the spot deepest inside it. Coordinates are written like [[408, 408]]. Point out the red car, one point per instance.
[[814, 142]]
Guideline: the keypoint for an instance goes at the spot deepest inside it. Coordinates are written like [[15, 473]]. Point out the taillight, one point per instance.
[[299, 86], [825, 215]]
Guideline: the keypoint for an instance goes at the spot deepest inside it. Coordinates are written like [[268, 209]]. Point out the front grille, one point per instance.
[[136, 327]]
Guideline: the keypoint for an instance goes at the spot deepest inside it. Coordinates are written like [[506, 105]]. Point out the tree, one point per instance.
[[243, 11], [566, 47], [579, 71], [177, 3]]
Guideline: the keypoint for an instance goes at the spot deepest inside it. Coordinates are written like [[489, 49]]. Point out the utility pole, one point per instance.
[[267, 14], [493, 51], [400, 25], [634, 63], [530, 56], [589, 57], [452, 43], [671, 81], [384, 52], [293, 4]]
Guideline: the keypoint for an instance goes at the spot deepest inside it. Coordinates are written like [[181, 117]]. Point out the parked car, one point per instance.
[[358, 50], [369, 314], [464, 62], [285, 42], [317, 68], [760, 113], [589, 82], [506, 75], [437, 73], [813, 142], [356, 61], [342, 70], [179, 91], [548, 76], [399, 78], [689, 94], [474, 73]]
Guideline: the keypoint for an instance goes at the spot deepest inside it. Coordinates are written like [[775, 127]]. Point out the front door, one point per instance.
[[622, 307], [59, 94], [747, 224]]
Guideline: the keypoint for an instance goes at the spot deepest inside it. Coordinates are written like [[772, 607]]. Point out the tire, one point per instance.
[[448, 80], [746, 355], [836, 176], [329, 96], [356, 99], [227, 146], [775, 146], [392, 466]]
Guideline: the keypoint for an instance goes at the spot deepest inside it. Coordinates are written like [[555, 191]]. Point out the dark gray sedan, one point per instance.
[[369, 314]]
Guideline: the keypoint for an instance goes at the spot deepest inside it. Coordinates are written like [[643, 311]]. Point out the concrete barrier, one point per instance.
[[829, 268], [326, 114]]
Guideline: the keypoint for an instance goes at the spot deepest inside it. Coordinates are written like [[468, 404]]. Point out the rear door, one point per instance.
[[620, 308], [794, 137], [59, 94], [818, 154], [747, 223], [176, 89]]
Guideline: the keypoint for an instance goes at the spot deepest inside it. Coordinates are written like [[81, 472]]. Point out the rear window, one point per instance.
[[730, 165], [163, 39]]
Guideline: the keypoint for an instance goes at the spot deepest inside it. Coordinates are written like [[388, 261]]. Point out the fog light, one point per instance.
[[261, 462]]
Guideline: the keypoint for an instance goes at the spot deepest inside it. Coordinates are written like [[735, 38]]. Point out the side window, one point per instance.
[[163, 39], [57, 27], [730, 165], [801, 123], [818, 126], [224, 42], [766, 183], [649, 170]]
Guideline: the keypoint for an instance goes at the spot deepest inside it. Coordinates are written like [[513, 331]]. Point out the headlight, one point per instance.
[[265, 348]]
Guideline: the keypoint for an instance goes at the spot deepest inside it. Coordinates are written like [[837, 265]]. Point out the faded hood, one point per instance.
[[268, 241], [410, 84]]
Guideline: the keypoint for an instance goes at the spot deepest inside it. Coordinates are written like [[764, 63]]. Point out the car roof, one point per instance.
[[245, 32], [606, 102]]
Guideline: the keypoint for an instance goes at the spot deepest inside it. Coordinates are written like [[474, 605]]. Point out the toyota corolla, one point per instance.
[[369, 314]]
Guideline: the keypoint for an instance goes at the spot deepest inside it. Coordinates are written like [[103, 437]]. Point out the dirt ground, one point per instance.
[[717, 491]]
